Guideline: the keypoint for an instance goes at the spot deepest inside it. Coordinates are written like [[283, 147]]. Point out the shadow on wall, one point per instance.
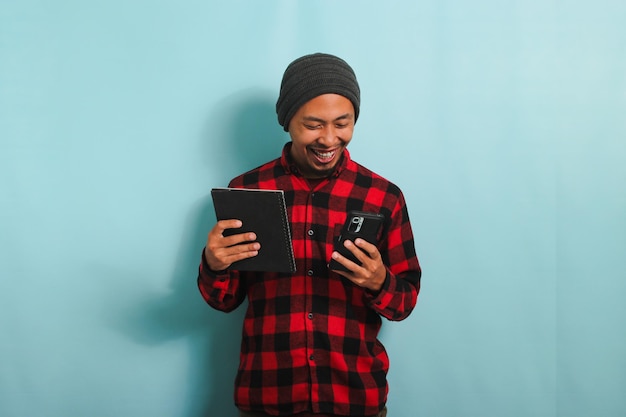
[[241, 134]]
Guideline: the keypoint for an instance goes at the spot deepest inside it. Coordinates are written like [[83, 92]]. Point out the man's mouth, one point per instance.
[[324, 156]]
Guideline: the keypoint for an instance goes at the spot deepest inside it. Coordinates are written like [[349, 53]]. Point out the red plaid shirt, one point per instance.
[[310, 338]]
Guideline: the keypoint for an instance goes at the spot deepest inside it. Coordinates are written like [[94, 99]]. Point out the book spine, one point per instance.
[[287, 233]]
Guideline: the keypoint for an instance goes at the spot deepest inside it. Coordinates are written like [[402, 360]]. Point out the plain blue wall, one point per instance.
[[503, 122]]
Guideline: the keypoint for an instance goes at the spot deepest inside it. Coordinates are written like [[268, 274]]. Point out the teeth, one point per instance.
[[324, 155]]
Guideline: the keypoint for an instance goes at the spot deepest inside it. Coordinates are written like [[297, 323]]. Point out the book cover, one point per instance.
[[263, 212]]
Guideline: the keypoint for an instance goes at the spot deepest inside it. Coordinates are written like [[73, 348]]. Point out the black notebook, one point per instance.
[[263, 212]]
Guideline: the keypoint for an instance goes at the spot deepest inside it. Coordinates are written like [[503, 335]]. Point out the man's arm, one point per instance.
[[392, 278], [222, 290], [219, 287]]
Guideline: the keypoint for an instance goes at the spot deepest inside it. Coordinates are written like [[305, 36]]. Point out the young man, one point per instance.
[[310, 344]]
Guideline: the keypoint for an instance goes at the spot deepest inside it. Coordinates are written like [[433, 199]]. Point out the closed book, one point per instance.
[[263, 212]]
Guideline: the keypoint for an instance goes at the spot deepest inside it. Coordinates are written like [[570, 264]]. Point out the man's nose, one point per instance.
[[328, 136]]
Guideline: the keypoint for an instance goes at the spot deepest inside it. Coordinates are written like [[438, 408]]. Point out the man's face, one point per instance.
[[319, 131]]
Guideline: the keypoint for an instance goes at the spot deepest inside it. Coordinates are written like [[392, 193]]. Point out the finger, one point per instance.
[[347, 263], [222, 247], [239, 252], [238, 239], [370, 249], [241, 248], [222, 258], [227, 224], [217, 238], [356, 251]]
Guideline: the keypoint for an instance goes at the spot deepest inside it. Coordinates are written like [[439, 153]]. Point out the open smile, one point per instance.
[[324, 157]]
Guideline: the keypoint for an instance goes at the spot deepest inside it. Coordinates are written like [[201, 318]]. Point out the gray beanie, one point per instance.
[[313, 75]]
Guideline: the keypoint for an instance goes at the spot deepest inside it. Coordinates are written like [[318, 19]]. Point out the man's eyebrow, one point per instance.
[[317, 119]]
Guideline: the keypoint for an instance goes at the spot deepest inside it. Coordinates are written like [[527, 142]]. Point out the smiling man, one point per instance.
[[320, 131], [309, 341]]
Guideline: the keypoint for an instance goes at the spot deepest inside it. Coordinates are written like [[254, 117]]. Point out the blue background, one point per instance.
[[502, 121]]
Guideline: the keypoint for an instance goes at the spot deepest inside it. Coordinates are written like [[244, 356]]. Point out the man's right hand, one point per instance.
[[221, 251]]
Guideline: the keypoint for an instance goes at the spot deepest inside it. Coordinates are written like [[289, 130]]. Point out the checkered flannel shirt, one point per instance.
[[310, 338]]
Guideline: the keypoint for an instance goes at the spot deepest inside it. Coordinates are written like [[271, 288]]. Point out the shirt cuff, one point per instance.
[[376, 297], [207, 269]]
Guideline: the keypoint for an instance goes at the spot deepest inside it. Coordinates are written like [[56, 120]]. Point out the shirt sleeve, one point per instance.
[[396, 299], [222, 290], [398, 296]]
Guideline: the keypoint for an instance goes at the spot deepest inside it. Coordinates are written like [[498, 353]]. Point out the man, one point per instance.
[[310, 344]]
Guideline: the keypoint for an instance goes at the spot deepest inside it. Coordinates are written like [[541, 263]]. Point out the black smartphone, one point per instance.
[[361, 224]]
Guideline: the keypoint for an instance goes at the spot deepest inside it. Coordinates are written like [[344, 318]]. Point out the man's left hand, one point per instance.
[[371, 273]]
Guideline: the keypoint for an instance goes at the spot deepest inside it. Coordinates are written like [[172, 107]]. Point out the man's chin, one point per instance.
[[321, 172]]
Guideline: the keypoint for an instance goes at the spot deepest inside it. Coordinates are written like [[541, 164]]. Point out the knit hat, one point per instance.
[[313, 75]]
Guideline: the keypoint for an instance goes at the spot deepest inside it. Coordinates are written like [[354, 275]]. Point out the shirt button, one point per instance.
[[310, 316], [310, 232], [310, 272], [311, 358]]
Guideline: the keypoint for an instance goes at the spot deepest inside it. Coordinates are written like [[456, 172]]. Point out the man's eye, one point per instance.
[[312, 127], [341, 126]]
